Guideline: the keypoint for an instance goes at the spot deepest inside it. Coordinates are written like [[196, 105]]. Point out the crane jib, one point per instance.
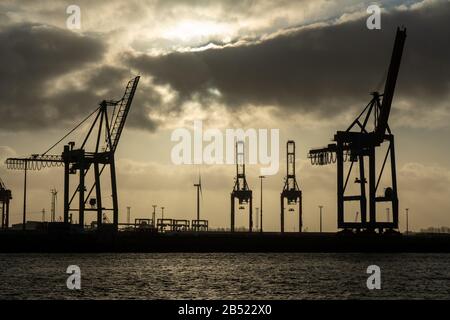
[[121, 116], [391, 81]]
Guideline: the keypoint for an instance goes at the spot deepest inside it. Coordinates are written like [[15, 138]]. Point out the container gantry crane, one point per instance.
[[241, 190], [291, 192], [5, 198], [109, 121], [358, 143]]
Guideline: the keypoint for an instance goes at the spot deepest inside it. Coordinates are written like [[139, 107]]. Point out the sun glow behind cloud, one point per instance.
[[195, 31]]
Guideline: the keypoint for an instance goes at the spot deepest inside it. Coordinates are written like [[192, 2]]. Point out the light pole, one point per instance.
[[257, 218], [162, 212], [261, 205], [407, 220], [388, 215], [320, 208], [128, 215], [154, 215]]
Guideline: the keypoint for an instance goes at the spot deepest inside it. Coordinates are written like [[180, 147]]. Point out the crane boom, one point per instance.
[[391, 81], [34, 162], [124, 105]]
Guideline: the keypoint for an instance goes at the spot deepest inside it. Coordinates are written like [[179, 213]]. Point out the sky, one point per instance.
[[304, 67]]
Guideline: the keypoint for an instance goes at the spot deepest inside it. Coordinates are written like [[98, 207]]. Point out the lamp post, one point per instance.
[[407, 220], [320, 208], [162, 212], [128, 215], [257, 218], [261, 206]]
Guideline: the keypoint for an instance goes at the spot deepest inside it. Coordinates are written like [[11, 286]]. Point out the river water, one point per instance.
[[225, 276]]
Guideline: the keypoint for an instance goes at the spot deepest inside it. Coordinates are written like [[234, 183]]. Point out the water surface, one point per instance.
[[225, 276]]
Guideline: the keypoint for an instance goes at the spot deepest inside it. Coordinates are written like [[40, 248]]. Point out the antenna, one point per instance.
[[54, 193]]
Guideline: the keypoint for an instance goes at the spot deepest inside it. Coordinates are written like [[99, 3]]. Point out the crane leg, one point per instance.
[[232, 213], [300, 213], [98, 195], [251, 215], [114, 194], [282, 213]]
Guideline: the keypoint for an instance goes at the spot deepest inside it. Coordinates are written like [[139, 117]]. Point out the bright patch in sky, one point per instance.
[[190, 30]]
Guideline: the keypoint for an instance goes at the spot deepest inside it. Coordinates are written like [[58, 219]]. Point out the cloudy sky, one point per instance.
[[305, 67]]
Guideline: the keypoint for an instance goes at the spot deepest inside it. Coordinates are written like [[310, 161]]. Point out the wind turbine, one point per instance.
[[199, 194]]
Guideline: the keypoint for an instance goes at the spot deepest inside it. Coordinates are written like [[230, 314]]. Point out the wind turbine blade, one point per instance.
[[200, 185]]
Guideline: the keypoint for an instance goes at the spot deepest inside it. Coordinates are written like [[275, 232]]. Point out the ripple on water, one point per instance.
[[225, 276]]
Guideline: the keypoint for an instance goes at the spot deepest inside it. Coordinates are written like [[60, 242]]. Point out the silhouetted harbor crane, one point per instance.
[[291, 192], [109, 122], [241, 191], [358, 143]]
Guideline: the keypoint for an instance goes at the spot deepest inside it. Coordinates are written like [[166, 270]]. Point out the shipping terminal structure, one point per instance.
[[94, 160]]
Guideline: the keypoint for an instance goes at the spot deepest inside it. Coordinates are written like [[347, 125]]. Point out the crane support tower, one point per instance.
[[109, 121], [291, 192], [241, 191], [360, 142]]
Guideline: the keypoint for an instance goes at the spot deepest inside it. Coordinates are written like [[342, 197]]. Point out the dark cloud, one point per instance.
[[34, 57], [4, 19], [110, 81], [322, 70]]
